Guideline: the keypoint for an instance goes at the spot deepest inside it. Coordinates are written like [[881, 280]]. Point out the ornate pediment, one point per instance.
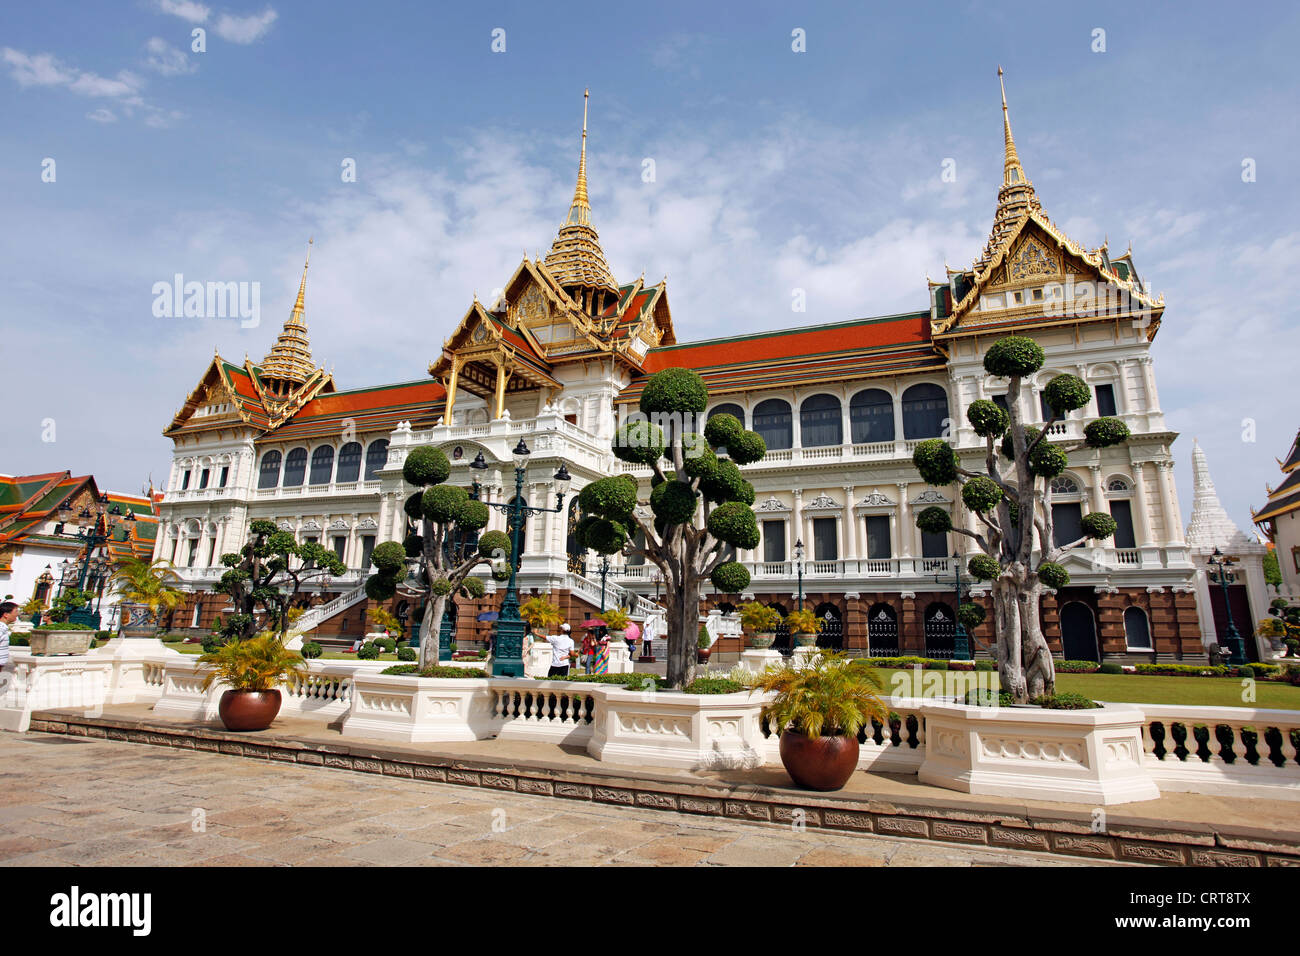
[[773, 504], [1031, 259], [311, 524], [931, 496], [339, 524], [875, 500], [367, 524], [822, 502], [285, 525]]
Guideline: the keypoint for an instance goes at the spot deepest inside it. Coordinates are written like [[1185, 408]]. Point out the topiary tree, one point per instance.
[[699, 505], [1019, 556], [267, 573], [444, 546]]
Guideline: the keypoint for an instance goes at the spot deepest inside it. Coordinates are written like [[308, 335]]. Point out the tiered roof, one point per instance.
[[1285, 498], [364, 410]]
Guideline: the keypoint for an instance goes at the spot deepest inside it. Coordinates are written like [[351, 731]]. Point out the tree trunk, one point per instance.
[[1036, 657], [430, 626], [682, 600], [1006, 611]]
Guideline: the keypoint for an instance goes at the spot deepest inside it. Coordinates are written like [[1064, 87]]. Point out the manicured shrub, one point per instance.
[[987, 418], [1008, 448], [985, 697], [1047, 460], [698, 461], [675, 391], [311, 650], [1104, 432], [714, 685], [1065, 701], [673, 502], [722, 429], [473, 587], [1246, 671], [494, 544], [380, 588], [726, 483], [735, 524], [640, 442], [1065, 393], [473, 516], [387, 644], [211, 643], [605, 536], [1098, 524], [389, 557], [173, 638], [1110, 667], [608, 498], [1053, 575], [426, 465], [938, 666], [414, 506], [413, 670], [983, 665], [1014, 355], [406, 654], [730, 577], [441, 504], [981, 493], [983, 567], [936, 460], [747, 448], [1078, 667], [369, 651], [971, 615], [1182, 670], [440, 586], [934, 520]]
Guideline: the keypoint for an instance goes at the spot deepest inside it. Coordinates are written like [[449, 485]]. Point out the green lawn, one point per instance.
[[1140, 689]]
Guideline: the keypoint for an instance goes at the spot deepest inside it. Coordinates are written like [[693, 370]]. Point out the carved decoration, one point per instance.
[[875, 500], [931, 496], [1031, 259], [822, 502], [773, 504]]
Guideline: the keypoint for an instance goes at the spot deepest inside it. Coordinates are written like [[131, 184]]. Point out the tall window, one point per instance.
[[1001, 402], [925, 410], [340, 544], [773, 421], [193, 552], [204, 476], [1067, 516], [1122, 512], [322, 465], [934, 545], [1105, 399], [820, 422], [367, 547], [1044, 408], [185, 480], [878, 543], [773, 541], [871, 416], [1137, 631], [269, 473], [225, 476], [295, 467], [376, 457], [349, 462], [826, 545]]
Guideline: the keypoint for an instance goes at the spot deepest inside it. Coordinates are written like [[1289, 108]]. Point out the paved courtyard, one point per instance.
[[75, 801]]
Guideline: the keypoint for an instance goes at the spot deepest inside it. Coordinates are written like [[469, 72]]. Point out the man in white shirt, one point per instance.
[[561, 646], [8, 614]]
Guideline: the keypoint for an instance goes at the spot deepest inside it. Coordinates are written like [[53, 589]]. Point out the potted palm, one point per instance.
[[760, 622], [804, 626], [819, 707], [146, 590], [616, 622], [541, 615], [251, 669]]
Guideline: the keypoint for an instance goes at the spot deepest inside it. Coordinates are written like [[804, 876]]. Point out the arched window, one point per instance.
[[322, 465], [269, 473], [295, 467], [925, 410], [1118, 483], [773, 421], [871, 416], [376, 457], [1067, 510], [1063, 485], [820, 422], [1137, 631], [940, 630], [882, 631], [349, 462]]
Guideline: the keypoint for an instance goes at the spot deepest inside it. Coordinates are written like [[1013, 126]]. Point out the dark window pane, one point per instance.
[[871, 416], [1106, 400], [878, 543], [340, 543], [185, 481], [1137, 632], [1043, 407], [925, 409], [225, 475], [934, 545], [1122, 512], [820, 421], [825, 541], [322, 465], [269, 476], [773, 421], [349, 462], [1067, 523], [376, 457], [295, 467], [1001, 402], [367, 547], [773, 540]]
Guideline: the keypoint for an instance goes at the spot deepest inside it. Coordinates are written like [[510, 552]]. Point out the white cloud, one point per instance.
[[39, 70], [102, 115], [90, 84], [247, 29], [167, 59], [185, 9]]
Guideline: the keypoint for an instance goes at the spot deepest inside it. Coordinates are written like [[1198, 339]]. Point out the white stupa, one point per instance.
[[1210, 526]]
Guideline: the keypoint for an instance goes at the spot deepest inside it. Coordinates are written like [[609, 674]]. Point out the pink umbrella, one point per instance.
[[593, 622], [633, 632]]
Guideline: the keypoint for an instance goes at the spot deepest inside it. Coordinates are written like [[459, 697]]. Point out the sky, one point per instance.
[[743, 150]]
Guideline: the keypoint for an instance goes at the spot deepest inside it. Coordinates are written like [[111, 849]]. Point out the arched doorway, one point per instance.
[[1079, 633], [782, 642], [940, 631], [832, 633], [882, 631]]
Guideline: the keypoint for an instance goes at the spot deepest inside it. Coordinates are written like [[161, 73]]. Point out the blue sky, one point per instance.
[[773, 170]]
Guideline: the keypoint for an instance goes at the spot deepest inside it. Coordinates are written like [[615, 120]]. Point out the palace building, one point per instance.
[[565, 351]]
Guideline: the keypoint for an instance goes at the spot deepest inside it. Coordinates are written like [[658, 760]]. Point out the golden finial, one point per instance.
[[580, 208], [298, 306], [1012, 160]]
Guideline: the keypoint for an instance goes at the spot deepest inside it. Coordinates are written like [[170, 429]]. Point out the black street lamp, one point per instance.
[[604, 570], [507, 656], [1223, 573], [94, 529], [961, 641]]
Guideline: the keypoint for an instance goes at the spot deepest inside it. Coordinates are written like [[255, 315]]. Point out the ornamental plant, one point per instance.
[[443, 545], [1012, 500], [699, 503], [258, 663], [803, 622], [615, 618], [267, 574], [832, 694], [541, 614], [150, 583], [758, 618]]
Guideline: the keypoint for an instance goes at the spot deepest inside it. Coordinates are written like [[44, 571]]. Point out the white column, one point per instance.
[[1149, 383], [904, 546], [1098, 492], [1169, 503], [1144, 536], [796, 527], [848, 526]]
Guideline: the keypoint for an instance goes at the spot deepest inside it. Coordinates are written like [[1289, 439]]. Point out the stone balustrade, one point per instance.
[[1239, 750]]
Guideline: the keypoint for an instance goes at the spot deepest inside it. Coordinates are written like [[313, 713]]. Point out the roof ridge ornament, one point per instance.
[[289, 360]]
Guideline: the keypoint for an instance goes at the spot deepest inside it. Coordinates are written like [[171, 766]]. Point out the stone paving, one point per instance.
[[71, 801]]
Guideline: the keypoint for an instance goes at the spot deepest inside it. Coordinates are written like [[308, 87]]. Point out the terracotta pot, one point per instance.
[[249, 709], [703, 654], [824, 763]]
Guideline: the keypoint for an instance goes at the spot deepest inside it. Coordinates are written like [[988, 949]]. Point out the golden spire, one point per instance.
[[1016, 197], [576, 258], [289, 361]]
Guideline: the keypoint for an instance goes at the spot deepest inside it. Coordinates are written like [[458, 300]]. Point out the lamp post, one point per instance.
[[961, 642], [604, 570], [798, 562], [1222, 573], [507, 657], [93, 530]]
